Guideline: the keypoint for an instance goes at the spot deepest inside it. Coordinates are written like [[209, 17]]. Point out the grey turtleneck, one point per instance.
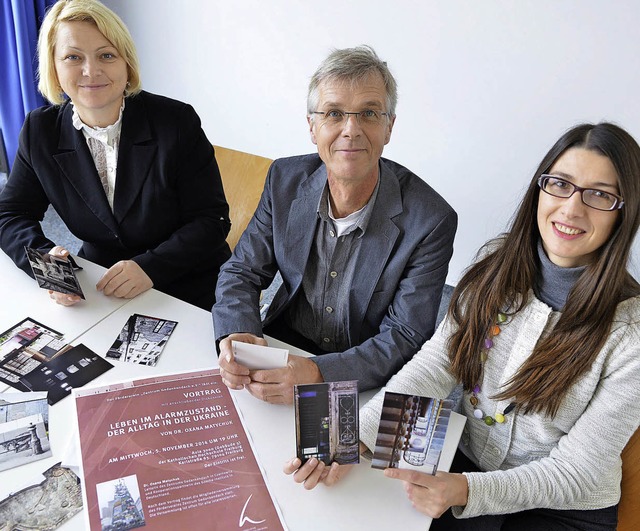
[[553, 283]]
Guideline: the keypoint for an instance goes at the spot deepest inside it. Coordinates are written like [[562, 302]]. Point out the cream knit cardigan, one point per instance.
[[571, 461]]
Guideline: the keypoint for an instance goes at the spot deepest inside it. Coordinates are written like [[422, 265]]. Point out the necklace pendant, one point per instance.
[[478, 413], [499, 418], [489, 420]]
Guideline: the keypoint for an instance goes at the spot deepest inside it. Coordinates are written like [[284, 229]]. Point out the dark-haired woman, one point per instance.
[[543, 331]]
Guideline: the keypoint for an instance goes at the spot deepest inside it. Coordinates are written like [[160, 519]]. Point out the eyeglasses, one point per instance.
[[367, 117], [592, 197]]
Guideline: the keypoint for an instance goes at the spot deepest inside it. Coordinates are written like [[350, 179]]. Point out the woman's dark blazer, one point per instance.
[[169, 214]]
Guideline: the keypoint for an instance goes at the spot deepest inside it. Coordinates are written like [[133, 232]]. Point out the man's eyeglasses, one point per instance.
[[367, 117], [592, 197]]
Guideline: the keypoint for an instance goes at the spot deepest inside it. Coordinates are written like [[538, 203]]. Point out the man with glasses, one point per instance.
[[362, 244]]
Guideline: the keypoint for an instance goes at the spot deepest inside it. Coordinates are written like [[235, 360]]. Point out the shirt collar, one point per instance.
[[103, 134], [365, 212]]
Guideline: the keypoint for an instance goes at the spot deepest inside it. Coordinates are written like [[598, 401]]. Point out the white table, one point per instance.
[[22, 297], [364, 499]]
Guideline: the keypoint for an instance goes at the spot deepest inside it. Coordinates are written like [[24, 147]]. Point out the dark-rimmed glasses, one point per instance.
[[592, 197], [336, 117]]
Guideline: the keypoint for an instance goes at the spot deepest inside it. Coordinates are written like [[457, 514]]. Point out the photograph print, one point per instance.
[[120, 504], [142, 340], [411, 432], [53, 273], [24, 420], [327, 422]]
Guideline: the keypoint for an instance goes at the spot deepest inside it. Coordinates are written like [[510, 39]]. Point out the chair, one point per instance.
[[629, 509], [243, 176]]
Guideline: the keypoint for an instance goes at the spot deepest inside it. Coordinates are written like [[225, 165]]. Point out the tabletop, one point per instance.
[[364, 499]]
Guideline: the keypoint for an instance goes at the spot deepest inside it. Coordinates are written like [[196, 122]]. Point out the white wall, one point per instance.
[[485, 88]]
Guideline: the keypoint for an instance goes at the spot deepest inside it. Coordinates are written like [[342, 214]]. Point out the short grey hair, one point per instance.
[[352, 65]]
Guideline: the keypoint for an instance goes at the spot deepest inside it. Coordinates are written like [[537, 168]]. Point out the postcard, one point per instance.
[[142, 340], [24, 428], [24, 347], [53, 273], [327, 422], [58, 376], [258, 356], [168, 453], [41, 504], [412, 432]]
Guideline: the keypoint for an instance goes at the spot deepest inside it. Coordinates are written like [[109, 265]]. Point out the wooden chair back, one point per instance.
[[629, 509], [243, 176]]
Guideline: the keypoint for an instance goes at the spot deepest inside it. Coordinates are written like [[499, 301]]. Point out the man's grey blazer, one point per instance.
[[396, 289]]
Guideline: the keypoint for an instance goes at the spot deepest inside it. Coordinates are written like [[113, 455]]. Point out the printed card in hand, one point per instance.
[[412, 432], [53, 273], [142, 340], [259, 357], [327, 422]]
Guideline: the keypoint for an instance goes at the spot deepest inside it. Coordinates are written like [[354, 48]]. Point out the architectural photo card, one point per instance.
[[24, 427], [327, 422], [53, 273], [142, 340], [412, 432], [58, 376], [24, 347], [22, 506]]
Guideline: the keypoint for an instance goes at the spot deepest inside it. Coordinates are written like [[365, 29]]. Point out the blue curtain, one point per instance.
[[19, 24]]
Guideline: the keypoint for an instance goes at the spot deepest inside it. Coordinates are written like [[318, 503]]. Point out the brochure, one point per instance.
[[34, 357], [24, 429], [169, 453], [142, 340], [327, 422], [53, 273], [412, 432]]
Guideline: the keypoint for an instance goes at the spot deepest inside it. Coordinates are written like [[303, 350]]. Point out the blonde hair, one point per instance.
[[107, 23]]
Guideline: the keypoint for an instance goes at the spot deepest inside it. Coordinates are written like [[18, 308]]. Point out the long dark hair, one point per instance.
[[505, 275]]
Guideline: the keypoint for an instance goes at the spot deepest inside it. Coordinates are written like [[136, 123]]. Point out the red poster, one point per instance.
[[170, 453]]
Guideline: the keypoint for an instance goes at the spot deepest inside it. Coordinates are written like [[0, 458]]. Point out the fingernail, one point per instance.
[[228, 358]]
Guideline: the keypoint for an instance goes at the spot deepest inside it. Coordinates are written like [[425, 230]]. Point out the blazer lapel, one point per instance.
[[135, 156], [301, 226], [77, 165], [376, 247]]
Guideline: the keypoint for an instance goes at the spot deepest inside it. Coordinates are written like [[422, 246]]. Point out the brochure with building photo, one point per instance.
[[34, 357], [142, 340], [169, 453], [56, 274], [412, 432], [24, 429], [58, 376], [42, 504], [24, 347], [327, 422]]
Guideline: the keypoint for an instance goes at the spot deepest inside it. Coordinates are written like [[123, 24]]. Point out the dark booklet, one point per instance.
[[327, 422], [412, 432], [53, 273]]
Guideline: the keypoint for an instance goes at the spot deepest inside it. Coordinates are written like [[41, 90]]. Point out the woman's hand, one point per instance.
[[315, 471], [64, 299], [432, 495], [124, 279]]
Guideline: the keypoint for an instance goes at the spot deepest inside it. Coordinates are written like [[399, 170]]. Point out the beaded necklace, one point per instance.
[[494, 330]]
